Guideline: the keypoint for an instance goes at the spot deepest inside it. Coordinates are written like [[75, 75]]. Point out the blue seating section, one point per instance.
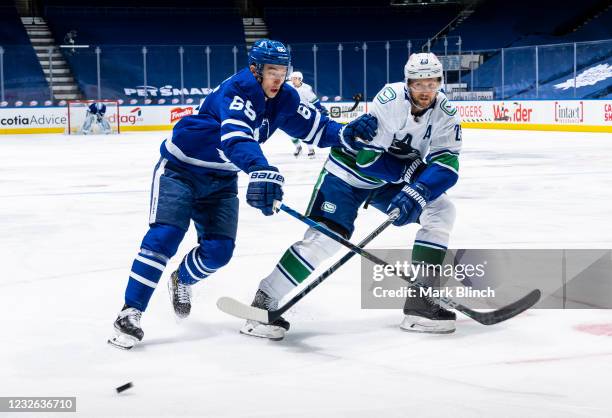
[[302, 27], [162, 32], [177, 56], [24, 79], [496, 24]]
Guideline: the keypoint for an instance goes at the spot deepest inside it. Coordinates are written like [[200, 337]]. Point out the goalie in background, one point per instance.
[[95, 114], [307, 96]]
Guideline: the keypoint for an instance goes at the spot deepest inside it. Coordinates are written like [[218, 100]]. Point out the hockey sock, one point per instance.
[[214, 252], [147, 269], [298, 262], [428, 252]]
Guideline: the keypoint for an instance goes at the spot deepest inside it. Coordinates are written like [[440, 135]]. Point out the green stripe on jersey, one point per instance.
[[428, 255], [315, 191], [350, 163], [294, 267], [366, 157], [447, 159]]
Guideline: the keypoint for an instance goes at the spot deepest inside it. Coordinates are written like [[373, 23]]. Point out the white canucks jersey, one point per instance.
[[438, 129], [306, 93], [435, 134]]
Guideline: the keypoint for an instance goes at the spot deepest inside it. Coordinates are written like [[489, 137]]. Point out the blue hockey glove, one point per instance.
[[410, 201], [265, 186], [414, 167], [363, 128]]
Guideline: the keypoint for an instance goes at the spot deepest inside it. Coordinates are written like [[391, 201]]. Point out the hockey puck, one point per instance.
[[124, 387]]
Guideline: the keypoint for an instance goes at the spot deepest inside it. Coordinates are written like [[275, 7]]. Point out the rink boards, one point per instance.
[[548, 115]]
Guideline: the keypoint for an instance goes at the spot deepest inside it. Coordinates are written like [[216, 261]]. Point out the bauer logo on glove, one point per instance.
[[268, 175]]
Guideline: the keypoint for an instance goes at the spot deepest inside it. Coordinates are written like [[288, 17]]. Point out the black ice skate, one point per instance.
[[180, 294], [298, 151], [274, 331], [127, 328], [425, 315]]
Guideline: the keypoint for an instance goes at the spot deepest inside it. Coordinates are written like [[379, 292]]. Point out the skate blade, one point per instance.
[[122, 341], [426, 326], [273, 334]]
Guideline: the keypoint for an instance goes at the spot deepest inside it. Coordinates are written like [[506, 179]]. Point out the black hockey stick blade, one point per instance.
[[357, 99], [504, 313]]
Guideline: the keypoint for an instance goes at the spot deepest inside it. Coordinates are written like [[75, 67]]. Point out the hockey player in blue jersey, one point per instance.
[[95, 114], [196, 178]]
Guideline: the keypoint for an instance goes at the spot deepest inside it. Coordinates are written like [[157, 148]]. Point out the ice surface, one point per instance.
[[73, 212]]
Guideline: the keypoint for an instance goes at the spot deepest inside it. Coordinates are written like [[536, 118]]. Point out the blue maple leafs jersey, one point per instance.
[[235, 118], [96, 108]]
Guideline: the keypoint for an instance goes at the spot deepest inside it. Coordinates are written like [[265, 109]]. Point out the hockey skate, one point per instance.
[[274, 331], [298, 151], [427, 316], [311, 154], [127, 328], [180, 295]]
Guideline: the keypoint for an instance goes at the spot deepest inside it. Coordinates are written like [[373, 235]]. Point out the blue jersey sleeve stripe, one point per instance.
[[237, 123], [235, 134], [317, 137], [315, 125]]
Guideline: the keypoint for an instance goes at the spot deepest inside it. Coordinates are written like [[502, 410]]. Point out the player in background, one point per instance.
[[306, 96], [95, 114], [196, 178], [410, 164]]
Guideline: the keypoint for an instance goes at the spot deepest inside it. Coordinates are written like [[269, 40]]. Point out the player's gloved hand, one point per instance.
[[363, 128], [99, 117], [414, 167], [262, 133], [410, 201], [323, 110], [265, 186]]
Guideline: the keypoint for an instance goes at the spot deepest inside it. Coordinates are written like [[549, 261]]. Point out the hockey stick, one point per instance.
[[357, 99], [485, 318], [233, 307]]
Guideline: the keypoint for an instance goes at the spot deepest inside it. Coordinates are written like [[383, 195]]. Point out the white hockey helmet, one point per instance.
[[423, 65], [297, 74]]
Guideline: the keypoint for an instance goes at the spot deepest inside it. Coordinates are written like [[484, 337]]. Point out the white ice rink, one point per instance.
[[73, 211]]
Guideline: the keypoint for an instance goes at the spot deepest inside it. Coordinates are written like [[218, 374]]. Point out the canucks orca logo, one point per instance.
[[448, 108], [328, 207], [424, 61]]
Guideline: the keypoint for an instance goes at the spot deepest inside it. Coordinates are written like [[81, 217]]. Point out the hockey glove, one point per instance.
[[363, 128], [265, 186], [414, 167], [410, 201]]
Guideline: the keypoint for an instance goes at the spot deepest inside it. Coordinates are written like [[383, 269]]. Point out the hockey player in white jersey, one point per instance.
[[409, 164], [308, 96], [95, 115]]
